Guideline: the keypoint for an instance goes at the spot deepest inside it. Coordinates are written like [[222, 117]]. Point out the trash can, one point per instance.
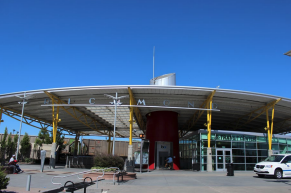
[[229, 168], [196, 167]]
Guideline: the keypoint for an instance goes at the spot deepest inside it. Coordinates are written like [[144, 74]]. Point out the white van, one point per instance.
[[278, 165]]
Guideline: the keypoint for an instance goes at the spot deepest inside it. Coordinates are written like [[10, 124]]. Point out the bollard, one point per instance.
[[28, 183]]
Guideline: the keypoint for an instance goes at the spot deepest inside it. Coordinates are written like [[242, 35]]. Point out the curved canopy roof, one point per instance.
[[239, 110]]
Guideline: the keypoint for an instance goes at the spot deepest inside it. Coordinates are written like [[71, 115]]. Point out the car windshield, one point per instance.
[[274, 158]]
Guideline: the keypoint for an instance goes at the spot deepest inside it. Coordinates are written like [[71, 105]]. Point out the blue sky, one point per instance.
[[235, 44]]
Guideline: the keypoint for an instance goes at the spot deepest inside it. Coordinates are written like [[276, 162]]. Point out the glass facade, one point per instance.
[[246, 149]]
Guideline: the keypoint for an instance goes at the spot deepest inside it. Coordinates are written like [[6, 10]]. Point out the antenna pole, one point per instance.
[[154, 64]]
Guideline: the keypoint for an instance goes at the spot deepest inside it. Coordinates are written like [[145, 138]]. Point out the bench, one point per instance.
[[71, 186], [120, 174]]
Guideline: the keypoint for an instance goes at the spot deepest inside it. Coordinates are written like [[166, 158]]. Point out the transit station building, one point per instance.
[[208, 127]]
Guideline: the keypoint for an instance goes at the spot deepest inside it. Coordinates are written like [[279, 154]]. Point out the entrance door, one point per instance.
[[163, 151], [163, 155], [223, 157]]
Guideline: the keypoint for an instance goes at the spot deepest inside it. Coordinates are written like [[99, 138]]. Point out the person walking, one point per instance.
[[169, 162]]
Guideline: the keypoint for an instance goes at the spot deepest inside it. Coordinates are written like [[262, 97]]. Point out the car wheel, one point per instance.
[[261, 175], [278, 174]]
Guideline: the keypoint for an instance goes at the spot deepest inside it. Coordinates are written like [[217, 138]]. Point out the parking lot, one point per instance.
[[159, 181]]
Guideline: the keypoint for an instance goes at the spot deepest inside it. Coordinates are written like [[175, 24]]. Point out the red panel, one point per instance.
[[163, 126]]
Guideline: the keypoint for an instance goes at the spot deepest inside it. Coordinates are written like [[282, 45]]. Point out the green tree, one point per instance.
[[4, 181], [25, 146], [9, 146], [3, 147], [60, 139], [43, 137]]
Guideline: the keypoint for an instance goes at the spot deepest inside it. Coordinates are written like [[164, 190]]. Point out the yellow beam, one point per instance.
[[193, 120], [137, 112], [268, 129], [251, 116], [80, 116], [55, 120], [209, 117]]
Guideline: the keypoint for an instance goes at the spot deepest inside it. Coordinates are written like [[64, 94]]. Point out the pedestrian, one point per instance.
[[13, 163], [169, 162]]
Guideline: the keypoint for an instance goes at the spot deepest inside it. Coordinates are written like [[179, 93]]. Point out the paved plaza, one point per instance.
[[159, 181]]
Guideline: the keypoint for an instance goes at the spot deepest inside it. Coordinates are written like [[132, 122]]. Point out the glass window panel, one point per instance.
[[204, 151], [274, 140], [213, 137], [282, 140], [205, 143], [237, 137], [223, 144], [237, 144], [289, 141], [213, 159], [249, 138], [223, 137], [260, 159], [275, 147], [251, 160], [239, 166], [263, 153], [251, 146], [262, 146], [251, 152], [261, 139], [238, 159], [283, 148], [238, 152], [213, 151], [250, 166], [203, 136]]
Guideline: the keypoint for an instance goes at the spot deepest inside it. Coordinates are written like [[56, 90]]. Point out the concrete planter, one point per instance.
[[109, 176]]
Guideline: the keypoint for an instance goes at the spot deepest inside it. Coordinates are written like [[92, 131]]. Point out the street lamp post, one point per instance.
[[116, 101], [19, 134]]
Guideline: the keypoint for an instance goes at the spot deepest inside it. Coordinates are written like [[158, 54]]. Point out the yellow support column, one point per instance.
[[272, 122], [270, 152], [55, 120], [209, 153]]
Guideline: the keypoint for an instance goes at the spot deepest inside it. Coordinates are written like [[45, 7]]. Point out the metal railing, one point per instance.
[[85, 172], [79, 161]]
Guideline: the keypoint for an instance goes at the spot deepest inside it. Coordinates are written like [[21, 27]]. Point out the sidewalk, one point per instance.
[[157, 181]]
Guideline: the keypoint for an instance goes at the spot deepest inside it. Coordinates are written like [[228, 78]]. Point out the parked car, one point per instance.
[[278, 165]]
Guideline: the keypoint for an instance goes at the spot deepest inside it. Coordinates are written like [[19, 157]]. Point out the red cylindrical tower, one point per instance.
[[162, 126]]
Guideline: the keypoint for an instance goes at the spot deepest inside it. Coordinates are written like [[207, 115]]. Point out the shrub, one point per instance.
[[4, 181], [28, 160], [105, 160], [106, 170]]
